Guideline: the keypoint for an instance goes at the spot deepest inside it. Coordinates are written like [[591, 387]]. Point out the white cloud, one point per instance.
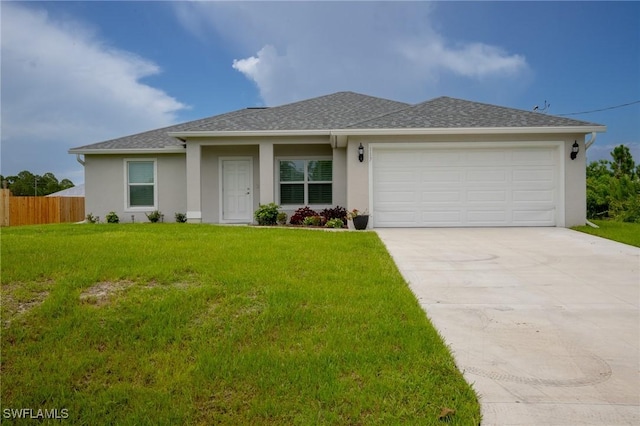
[[304, 49], [63, 87], [268, 70], [474, 60]]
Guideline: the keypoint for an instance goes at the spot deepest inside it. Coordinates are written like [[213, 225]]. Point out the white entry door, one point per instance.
[[237, 190]]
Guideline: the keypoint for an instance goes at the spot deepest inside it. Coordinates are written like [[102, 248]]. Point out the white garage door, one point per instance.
[[445, 187]]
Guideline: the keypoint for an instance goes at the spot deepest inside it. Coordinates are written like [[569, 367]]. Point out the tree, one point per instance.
[[599, 168], [622, 164], [613, 187], [26, 183]]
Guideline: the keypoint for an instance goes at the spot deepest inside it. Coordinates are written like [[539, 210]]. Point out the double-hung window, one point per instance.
[[141, 184], [306, 182]]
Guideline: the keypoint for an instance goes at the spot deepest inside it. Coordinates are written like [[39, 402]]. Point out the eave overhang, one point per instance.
[[133, 151], [248, 133], [471, 130], [393, 131], [338, 137]]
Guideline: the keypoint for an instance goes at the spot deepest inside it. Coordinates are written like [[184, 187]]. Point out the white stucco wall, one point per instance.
[[105, 174], [105, 185], [575, 183]]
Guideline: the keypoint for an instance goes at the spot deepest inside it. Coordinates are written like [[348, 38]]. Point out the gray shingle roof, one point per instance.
[[336, 111], [448, 113], [348, 110]]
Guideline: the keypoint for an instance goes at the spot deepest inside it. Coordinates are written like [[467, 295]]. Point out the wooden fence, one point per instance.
[[16, 211]]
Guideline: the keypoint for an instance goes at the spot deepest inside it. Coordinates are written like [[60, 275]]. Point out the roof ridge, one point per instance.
[[380, 116]]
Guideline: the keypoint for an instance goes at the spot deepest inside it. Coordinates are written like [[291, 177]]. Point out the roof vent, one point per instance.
[[257, 107]]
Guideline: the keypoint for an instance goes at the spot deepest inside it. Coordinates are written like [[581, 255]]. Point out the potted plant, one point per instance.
[[360, 219]]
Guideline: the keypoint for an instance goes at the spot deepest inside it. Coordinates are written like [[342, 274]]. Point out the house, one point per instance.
[[74, 191], [442, 163]]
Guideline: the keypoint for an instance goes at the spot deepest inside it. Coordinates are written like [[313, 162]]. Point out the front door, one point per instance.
[[237, 190]]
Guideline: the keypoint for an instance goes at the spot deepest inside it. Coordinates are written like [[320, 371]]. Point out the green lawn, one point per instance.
[[197, 324], [627, 233]]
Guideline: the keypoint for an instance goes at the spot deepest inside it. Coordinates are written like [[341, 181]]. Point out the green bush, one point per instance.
[[335, 223], [154, 216], [92, 219], [181, 217], [624, 200], [112, 217], [335, 213], [613, 188], [267, 214], [299, 215], [312, 221], [282, 218]]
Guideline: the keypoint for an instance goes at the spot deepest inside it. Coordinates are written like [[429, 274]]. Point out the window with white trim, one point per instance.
[[306, 182], [141, 184]]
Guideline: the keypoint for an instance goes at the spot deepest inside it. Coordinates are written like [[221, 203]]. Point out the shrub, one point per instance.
[[624, 199], [299, 215], [92, 219], [312, 221], [154, 216], [267, 214], [112, 217], [181, 217], [335, 223], [335, 213], [281, 218]]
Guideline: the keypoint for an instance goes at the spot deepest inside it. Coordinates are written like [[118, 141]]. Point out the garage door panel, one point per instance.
[[442, 176], [448, 217], [440, 187], [438, 158], [397, 176], [489, 158], [534, 175], [533, 196], [483, 175], [486, 196], [396, 219], [397, 197], [533, 217], [496, 217], [440, 196], [399, 157], [536, 157]]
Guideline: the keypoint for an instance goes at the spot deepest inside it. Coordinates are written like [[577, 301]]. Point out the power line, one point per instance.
[[601, 109]]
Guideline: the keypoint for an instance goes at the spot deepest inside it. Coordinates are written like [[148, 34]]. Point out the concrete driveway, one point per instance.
[[544, 322]]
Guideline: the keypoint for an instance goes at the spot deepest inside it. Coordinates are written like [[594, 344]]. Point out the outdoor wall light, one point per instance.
[[575, 148], [361, 153]]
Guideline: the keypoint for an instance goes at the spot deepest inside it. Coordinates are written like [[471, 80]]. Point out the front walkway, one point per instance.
[[544, 322]]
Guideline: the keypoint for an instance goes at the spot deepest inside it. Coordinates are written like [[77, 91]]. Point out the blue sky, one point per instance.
[[75, 73]]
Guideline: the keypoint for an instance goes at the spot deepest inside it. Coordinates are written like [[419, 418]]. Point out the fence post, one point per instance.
[[4, 206]]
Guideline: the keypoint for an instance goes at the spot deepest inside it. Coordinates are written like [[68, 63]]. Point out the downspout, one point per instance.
[[591, 141], [79, 160], [587, 144]]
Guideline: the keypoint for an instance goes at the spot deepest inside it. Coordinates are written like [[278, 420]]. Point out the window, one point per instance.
[[306, 182], [141, 180]]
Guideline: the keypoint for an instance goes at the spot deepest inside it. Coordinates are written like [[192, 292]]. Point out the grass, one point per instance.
[[623, 232], [197, 324]]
